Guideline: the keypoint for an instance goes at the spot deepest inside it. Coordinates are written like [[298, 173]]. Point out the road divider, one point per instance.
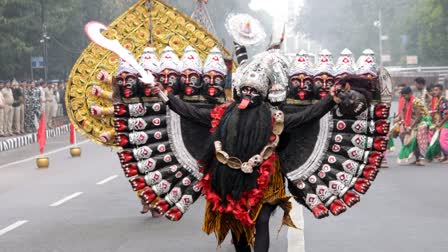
[[104, 181], [62, 201], [12, 227], [46, 154]]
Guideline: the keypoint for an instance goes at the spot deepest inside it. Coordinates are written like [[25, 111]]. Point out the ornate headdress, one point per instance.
[[325, 63], [149, 60], [346, 63], [301, 64], [191, 60], [266, 69], [366, 63], [124, 66], [244, 29], [215, 62], [169, 59]]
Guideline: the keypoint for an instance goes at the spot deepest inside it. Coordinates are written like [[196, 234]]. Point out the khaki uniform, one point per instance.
[[9, 100]]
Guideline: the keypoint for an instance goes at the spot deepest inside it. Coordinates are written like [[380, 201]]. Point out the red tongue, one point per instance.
[[212, 91], [127, 93], [188, 90], [301, 95], [244, 103], [323, 94], [147, 92]]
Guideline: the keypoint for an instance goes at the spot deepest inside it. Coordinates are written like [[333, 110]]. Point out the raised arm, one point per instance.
[[312, 112], [186, 110]]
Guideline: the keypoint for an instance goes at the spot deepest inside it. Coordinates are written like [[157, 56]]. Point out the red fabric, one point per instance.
[[434, 103], [241, 208], [216, 115], [72, 134], [408, 113], [41, 134], [433, 106]]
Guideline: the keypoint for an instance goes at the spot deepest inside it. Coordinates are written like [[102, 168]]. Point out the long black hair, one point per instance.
[[243, 134]]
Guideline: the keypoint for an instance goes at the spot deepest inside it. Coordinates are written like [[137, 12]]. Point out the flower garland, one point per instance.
[[216, 115], [241, 208]]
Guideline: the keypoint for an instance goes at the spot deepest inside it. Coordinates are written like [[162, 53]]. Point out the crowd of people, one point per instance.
[[23, 103], [422, 123]]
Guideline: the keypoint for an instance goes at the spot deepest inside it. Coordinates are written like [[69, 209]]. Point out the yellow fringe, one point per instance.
[[221, 224]]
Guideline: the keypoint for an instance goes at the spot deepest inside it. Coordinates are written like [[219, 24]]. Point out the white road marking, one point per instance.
[[62, 201], [46, 154], [12, 227], [296, 239], [104, 181]]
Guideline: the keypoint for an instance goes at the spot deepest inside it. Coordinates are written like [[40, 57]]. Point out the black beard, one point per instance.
[[243, 133]]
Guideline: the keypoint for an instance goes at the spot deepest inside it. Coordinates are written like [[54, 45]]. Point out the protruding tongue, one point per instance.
[[244, 103], [188, 90], [147, 92], [127, 93], [212, 91], [302, 95]]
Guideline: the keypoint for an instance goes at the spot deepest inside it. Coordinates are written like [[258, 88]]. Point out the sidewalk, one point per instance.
[[14, 142]]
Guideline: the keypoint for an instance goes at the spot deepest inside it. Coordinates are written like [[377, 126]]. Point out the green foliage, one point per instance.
[[431, 31], [413, 27], [21, 23]]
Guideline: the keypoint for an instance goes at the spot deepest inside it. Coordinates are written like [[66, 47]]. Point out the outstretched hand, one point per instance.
[[157, 88], [334, 91]]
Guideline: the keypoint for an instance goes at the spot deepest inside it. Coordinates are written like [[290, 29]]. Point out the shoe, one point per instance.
[[145, 209], [420, 163]]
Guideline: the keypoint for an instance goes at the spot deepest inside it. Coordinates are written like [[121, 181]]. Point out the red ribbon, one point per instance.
[[42, 134], [241, 208]]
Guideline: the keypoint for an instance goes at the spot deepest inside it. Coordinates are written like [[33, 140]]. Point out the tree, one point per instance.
[[429, 29]]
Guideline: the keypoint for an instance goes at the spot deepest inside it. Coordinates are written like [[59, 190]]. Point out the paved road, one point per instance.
[[405, 210]]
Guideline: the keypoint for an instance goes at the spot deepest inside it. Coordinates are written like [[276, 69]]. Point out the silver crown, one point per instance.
[[366, 63], [215, 62], [169, 60], [301, 64], [325, 63], [266, 69], [346, 63], [191, 60], [149, 60], [124, 66]]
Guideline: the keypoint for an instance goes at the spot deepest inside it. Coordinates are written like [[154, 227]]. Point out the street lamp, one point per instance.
[[43, 41], [378, 24]]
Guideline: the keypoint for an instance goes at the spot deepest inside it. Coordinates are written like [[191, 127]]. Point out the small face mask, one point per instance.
[[249, 98], [214, 83], [301, 87], [147, 87], [170, 80], [322, 84], [128, 84], [190, 82]]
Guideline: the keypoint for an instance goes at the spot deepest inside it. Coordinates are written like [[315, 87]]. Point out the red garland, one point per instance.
[[216, 115], [241, 208]]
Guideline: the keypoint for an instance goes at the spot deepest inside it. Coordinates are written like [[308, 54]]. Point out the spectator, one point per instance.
[[62, 98], [2, 112], [23, 87], [16, 107], [58, 99], [33, 107], [420, 91], [9, 100], [42, 85], [53, 101]]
